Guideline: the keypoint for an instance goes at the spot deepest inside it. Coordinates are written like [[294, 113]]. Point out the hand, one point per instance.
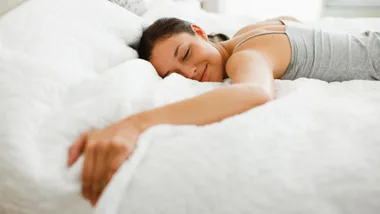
[[104, 152]]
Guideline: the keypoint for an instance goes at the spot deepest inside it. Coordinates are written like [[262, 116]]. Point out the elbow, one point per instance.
[[259, 94], [267, 98], [265, 94]]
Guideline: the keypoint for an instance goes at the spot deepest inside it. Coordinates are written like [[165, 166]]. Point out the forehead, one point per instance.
[[163, 51]]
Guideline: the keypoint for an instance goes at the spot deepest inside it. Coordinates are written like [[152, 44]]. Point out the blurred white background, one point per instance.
[[302, 9]]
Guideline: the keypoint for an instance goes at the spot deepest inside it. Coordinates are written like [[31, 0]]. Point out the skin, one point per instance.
[[252, 68]]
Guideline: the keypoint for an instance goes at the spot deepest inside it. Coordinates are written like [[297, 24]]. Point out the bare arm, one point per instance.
[[253, 85], [206, 108], [106, 150]]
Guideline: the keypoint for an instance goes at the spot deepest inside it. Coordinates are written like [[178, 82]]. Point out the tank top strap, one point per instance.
[[255, 35]]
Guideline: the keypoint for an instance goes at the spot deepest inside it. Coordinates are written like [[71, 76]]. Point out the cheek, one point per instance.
[[208, 53], [202, 54]]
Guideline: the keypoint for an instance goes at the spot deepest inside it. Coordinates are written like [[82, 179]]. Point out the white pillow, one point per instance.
[[7, 5], [137, 7], [83, 36]]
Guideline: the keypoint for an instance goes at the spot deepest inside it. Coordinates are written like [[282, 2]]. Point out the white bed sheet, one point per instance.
[[313, 150]]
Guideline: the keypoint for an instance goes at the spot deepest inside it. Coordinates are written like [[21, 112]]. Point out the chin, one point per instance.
[[216, 75], [216, 78]]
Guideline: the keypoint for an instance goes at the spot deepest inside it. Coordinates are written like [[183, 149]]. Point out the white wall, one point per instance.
[[302, 9], [368, 3], [338, 11], [352, 8]]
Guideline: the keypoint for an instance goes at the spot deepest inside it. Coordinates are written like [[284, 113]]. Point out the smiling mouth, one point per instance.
[[204, 75]]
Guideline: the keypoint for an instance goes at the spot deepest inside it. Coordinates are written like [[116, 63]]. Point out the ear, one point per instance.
[[198, 30]]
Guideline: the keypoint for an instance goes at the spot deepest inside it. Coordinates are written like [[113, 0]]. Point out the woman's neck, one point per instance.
[[225, 52]]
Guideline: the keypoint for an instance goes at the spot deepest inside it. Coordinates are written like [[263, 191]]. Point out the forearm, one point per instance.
[[206, 108]]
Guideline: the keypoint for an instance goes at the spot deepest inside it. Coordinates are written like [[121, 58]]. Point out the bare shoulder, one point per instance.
[[266, 23], [275, 48], [249, 33], [256, 26], [289, 18]]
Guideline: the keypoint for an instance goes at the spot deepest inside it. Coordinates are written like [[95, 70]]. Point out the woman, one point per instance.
[[252, 59]]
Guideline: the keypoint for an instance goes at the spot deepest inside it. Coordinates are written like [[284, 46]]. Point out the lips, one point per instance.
[[204, 75]]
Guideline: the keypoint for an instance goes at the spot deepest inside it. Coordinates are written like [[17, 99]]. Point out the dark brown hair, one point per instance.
[[164, 28]]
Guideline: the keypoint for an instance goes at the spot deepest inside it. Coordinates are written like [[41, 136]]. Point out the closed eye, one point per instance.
[[186, 55]]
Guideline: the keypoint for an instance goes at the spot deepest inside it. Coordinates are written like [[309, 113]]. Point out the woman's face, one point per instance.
[[189, 55]]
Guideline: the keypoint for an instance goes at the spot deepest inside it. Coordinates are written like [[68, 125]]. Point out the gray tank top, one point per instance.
[[329, 56]]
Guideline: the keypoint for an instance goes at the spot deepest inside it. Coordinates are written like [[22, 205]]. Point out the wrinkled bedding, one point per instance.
[[66, 67]]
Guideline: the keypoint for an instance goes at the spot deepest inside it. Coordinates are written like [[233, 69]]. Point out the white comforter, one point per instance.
[[65, 67]]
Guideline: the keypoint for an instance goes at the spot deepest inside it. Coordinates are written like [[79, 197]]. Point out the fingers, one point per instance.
[[120, 153], [105, 178], [99, 170], [76, 149], [88, 168], [116, 155], [102, 160], [108, 173]]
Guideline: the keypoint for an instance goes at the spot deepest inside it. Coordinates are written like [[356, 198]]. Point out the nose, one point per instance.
[[190, 71]]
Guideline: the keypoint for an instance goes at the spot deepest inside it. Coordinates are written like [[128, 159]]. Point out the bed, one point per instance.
[[66, 67]]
